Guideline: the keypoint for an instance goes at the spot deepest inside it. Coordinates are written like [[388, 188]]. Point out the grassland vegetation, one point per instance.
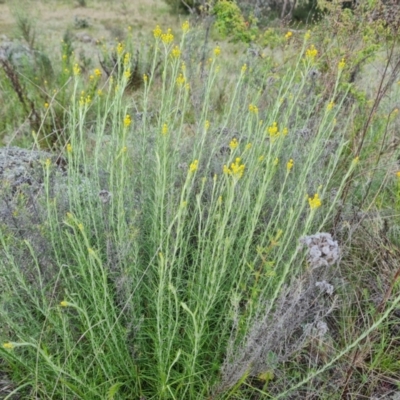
[[213, 212]]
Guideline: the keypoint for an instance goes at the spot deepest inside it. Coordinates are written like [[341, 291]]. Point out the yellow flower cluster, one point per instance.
[[85, 100], [236, 169], [69, 148], [127, 120], [97, 73], [311, 52], [193, 166], [330, 105], [120, 48], [207, 125], [314, 201], [176, 52], [64, 303], [244, 68], [180, 80], [8, 346], [217, 51], [127, 58], [253, 109], [185, 27], [167, 37], [76, 69], [164, 129], [342, 64], [233, 144], [274, 132], [289, 165], [288, 35], [157, 32]]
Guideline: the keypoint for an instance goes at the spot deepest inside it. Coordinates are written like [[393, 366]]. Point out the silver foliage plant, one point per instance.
[[283, 327]]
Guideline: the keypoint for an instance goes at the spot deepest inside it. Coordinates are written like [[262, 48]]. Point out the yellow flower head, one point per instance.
[[185, 27], [288, 35], [69, 148], [341, 64], [217, 51], [398, 174], [127, 73], [330, 105], [233, 144], [273, 129], [127, 120], [307, 35], [244, 68], [120, 48], [237, 169], [311, 52], [127, 58], [253, 109], [176, 52], [76, 69], [193, 166], [180, 80], [8, 346], [97, 73], [168, 37], [314, 201], [157, 32], [164, 129], [145, 78], [64, 303], [207, 125], [46, 105], [289, 165]]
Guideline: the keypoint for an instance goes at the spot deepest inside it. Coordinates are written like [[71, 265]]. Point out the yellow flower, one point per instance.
[[314, 201], [127, 58], [127, 120], [311, 52], [76, 69], [244, 68], [157, 32], [276, 161], [233, 144], [180, 80], [237, 169], [183, 66], [120, 48], [97, 73], [217, 51], [47, 162], [273, 129], [253, 109], [176, 52], [8, 346], [164, 129], [207, 125], [69, 148], [185, 27], [307, 35], [330, 105], [285, 131], [193, 166], [289, 165], [342, 64], [46, 105], [187, 86], [261, 158], [64, 303], [168, 37], [288, 35], [398, 174], [248, 146], [99, 92], [127, 73], [145, 78]]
